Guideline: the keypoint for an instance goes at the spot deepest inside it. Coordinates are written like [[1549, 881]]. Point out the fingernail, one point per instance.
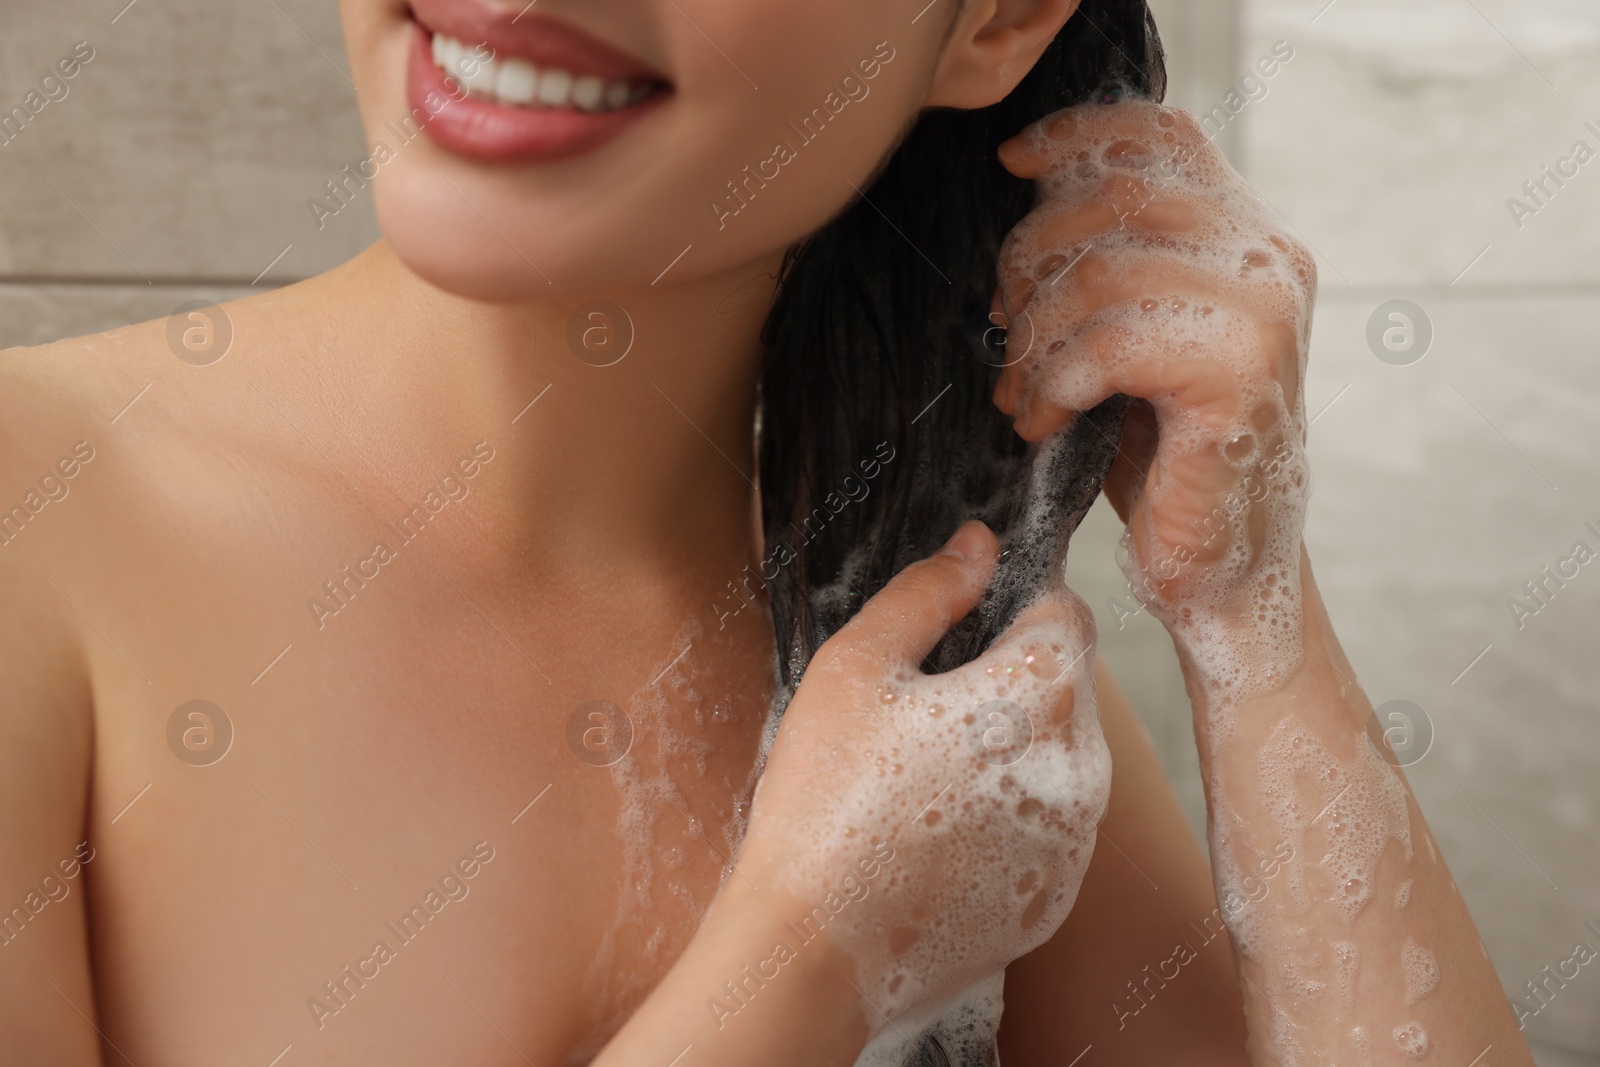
[[966, 544]]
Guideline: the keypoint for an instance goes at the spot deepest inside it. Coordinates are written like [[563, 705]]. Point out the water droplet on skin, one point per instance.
[[1239, 449], [1166, 119], [1129, 154], [1062, 127], [1412, 1040]]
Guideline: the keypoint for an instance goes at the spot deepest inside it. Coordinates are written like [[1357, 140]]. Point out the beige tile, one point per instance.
[[1431, 509], [1396, 136], [1553, 1056], [186, 148]]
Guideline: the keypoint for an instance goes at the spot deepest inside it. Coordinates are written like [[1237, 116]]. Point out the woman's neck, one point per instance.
[[649, 459]]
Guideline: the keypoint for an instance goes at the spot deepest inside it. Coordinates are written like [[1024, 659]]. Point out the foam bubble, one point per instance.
[[965, 1028], [1346, 961], [1363, 1043], [997, 828], [1421, 971], [1412, 1039], [1402, 896], [1359, 804], [677, 721], [1140, 198]]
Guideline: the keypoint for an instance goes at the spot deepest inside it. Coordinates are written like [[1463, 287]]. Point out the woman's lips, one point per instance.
[[525, 126]]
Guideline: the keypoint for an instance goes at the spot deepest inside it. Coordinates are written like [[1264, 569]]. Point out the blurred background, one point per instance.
[[1409, 143]]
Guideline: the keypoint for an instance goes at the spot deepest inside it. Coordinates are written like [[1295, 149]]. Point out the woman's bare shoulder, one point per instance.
[[85, 380]]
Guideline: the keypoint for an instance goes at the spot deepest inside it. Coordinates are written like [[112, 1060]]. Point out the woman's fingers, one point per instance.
[[1043, 657], [907, 618], [1135, 459]]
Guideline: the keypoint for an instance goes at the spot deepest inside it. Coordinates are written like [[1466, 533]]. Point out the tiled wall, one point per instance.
[[180, 163]]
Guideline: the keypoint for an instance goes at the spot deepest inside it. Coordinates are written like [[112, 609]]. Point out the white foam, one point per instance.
[[1346, 961], [1358, 804], [657, 910], [1421, 971], [1402, 896], [990, 844], [1363, 1043], [965, 1027], [1412, 1039], [1245, 304]]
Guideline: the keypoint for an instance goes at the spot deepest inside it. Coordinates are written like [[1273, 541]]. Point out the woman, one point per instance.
[[456, 546]]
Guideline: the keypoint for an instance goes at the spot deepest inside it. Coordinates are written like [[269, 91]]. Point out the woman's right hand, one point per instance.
[[934, 827]]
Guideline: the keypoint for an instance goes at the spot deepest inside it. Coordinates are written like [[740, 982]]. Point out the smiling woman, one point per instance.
[[873, 819], [569, 91]]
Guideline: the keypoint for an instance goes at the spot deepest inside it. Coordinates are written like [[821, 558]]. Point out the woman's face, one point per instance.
[[581, 145]]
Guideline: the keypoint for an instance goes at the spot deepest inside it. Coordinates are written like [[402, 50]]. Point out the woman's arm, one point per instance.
[[1141, 971], [47, 1005], [715, 1007], [1361, 941], [1150, 268]]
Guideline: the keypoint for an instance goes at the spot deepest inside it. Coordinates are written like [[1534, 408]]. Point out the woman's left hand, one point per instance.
[[1150, 267]]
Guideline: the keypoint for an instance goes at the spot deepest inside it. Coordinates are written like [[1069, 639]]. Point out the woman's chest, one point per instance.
[[418, 848]]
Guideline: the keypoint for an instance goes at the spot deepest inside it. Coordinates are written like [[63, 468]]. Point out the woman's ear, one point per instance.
[[992, 46]]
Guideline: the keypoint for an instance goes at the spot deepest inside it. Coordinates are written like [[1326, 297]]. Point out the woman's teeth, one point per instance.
[[517, 81]]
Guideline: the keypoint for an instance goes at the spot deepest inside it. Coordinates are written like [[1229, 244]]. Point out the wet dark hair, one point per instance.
[[877, 434]]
